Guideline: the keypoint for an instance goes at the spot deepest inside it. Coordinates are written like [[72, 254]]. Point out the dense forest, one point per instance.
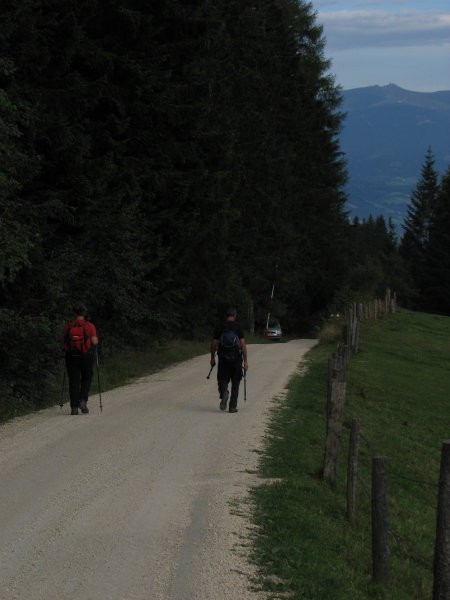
[[159, 160]]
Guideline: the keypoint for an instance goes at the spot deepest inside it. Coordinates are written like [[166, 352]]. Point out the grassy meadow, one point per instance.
[[398, 386]]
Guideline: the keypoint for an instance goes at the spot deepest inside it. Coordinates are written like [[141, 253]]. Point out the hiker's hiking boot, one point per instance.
[[223, 401], [74, 410], [233, 409], [84, 408]]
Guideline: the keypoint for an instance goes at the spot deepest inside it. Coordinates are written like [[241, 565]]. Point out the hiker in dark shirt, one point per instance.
[[79, 341], [229, 343]]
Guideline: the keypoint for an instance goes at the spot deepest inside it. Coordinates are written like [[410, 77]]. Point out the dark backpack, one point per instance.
[[77, 340], [229, 346]]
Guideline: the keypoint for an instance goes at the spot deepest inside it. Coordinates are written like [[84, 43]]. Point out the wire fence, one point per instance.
[[394, 533], [379, 504]]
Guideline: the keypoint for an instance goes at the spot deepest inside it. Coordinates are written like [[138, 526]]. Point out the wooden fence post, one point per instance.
[[353, 329], [336, 370], [441, 585], [352, 471], [360, 311], [380, 530], [357, 336], [348, 328], [394, 303], [387, 301], [331, 367], [341, 362], [334, 428]]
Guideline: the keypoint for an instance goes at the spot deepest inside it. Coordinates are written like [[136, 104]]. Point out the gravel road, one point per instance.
[[145, 501]]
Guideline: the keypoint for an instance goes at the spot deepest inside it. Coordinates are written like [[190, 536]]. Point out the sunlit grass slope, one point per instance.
[[398, 386]]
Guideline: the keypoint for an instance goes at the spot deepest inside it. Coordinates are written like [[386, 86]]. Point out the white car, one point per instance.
[[273, 331]]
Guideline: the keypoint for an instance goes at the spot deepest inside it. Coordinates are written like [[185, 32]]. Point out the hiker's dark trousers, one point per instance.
[[226, 372], [79, 370]]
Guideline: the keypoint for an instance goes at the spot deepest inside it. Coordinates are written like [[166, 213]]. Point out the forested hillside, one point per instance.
[[386, 133], [160, 159]]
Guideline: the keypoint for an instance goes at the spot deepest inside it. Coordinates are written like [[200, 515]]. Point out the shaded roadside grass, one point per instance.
[[398, 387], [122, 368]]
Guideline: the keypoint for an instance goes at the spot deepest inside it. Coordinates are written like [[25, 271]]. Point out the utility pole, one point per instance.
[[271, 296]]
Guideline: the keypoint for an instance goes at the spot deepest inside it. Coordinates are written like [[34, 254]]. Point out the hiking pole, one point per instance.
[[61, 404], [245, 385], [210, 371], [98, 379]]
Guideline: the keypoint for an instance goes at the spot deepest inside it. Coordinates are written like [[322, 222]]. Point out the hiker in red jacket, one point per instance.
[[79, 341]]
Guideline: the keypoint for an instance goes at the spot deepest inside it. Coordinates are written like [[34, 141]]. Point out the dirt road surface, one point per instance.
[[143, 501]]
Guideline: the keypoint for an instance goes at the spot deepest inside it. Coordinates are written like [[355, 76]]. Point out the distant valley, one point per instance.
[[385, 136]]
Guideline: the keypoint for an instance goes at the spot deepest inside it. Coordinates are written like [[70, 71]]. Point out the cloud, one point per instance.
[[364, 29], [388, 4], [376, 2]]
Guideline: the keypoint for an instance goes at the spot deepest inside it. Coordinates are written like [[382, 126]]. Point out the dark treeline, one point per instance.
[[375, 263], [160, 159]]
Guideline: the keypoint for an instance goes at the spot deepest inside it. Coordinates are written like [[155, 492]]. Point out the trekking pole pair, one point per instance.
[[61, 403]]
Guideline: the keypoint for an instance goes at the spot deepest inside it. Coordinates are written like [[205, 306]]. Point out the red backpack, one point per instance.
[[76, 339]]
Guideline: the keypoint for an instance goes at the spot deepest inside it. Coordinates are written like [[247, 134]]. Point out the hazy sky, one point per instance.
[[375, 42]]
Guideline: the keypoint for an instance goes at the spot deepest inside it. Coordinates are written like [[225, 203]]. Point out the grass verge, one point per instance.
[[129, 364], [398, 387]]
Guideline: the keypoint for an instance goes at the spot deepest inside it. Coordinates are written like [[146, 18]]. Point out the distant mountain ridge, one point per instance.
[[385, 136]]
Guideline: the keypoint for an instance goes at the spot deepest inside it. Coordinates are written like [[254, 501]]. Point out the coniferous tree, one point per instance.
[[437, 260], [25, 336], [287, 158], [413, 247]]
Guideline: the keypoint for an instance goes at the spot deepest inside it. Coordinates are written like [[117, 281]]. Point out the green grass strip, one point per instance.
[[398, 387]]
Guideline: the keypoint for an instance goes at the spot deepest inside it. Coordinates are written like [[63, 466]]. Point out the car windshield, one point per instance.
[[274, 324]]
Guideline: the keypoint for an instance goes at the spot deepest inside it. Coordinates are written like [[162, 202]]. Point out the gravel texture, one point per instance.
[[144, 501]]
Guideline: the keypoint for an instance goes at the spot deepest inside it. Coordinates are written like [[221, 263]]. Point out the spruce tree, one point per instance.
[[437, 259], [287, 161], [416, 227]]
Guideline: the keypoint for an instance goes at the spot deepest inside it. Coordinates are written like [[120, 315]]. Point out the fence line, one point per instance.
[[441, 570], [336, 390]]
